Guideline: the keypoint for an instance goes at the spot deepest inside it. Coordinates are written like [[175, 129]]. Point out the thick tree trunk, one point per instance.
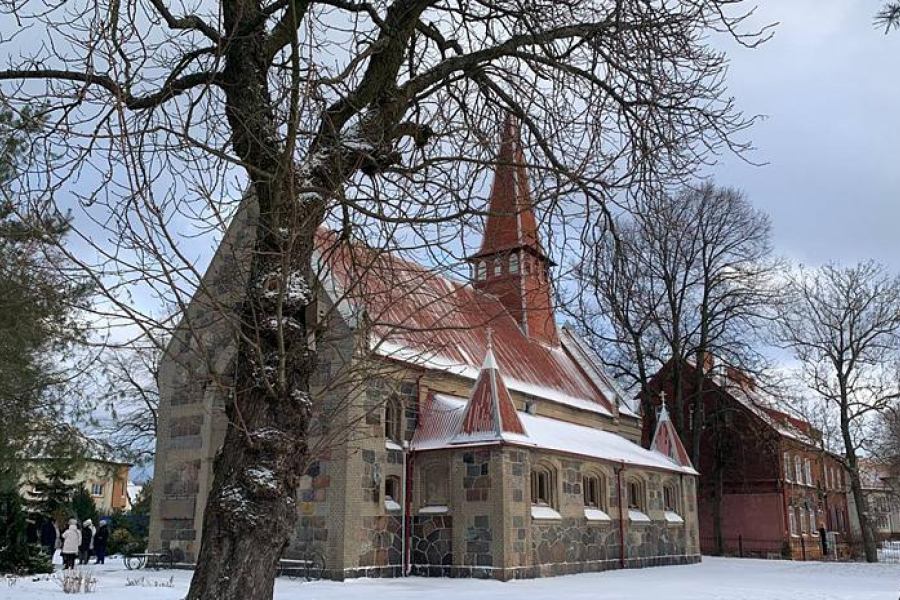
[[870, 548], [718, 500], [251, 511], [868, 540], [678, 394], [699, 420]]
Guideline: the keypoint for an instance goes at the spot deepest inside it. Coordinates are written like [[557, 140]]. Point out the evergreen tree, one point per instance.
[[83, 506], [53, 492], [38, 308], [140, 506], [16, 554]]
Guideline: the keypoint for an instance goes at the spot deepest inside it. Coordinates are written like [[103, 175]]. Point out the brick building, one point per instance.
[[780, 491], [106, 480], [882, 493], [481, 441]]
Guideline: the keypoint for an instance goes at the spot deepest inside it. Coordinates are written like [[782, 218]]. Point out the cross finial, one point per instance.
[[490, 337], [662, 397]]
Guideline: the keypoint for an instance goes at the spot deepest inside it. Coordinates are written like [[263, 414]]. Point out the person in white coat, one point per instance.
[[71, 542]]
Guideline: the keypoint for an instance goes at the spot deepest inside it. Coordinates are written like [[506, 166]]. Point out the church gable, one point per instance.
[[666, 440], [490, 412]]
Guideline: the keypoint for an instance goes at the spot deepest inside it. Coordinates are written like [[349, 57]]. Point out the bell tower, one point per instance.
[[511, 263]]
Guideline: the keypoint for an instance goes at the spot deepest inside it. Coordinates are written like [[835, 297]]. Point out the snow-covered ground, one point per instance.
[[714, 579]]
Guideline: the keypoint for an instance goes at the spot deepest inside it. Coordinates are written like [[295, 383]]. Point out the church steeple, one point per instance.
[[512, 264]]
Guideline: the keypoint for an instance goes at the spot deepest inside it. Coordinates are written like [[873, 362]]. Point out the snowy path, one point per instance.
[[714, 579]]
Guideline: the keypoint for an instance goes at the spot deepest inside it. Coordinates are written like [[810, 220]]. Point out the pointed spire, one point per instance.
[[490, 412], [511, 264], [666, 440], [511, 222]]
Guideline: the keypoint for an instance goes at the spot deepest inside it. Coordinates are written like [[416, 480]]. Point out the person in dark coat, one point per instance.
[[31, 532], [48, 537], [87, 538], [100, 540]]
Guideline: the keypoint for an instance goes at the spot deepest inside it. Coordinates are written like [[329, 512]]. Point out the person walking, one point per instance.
[[71, 544], [87, 540], [100, 540], [49, 533]]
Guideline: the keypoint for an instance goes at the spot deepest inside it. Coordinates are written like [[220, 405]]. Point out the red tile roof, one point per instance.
[[787, 419], [421, 318]]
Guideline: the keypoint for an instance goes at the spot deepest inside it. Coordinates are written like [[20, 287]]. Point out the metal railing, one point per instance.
[[797, 548], [889, 552]]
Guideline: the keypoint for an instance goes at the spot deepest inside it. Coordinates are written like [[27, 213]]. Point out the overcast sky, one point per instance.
[[829, 86]]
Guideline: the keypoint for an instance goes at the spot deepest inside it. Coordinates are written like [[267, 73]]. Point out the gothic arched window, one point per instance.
[[542, 487], [514, 263], [594, 491], [636, 499], [393, 421]]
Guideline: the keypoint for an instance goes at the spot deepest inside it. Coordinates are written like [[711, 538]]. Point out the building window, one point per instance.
[[593, 491], [97, 489], [436, 485], [481, 272], [814, 521], [670, 498], [793, 519], [498, 267], [392, 493], [635, 495], [392, 419], [514, 263], [798, 470], [803, 521], [392, 488], [542, 487], [809, 479], [787, 467]]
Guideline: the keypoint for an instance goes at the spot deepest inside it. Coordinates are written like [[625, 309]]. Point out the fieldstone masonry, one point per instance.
[[432, 546]]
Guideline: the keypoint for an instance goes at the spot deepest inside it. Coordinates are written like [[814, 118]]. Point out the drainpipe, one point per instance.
[[404, 515], [408, 461], [621, 515]]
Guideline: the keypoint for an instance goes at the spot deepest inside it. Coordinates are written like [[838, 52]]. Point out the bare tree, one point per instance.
[[843, 325], [130, 394], [889, 16], [369, 117], [687, 277]]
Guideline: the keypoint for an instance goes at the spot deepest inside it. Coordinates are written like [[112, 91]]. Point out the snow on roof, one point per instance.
[[753, 399], [421, 318], [442, 415], [782, 423], [588, 361]]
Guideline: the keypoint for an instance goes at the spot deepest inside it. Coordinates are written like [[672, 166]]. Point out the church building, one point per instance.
[[482, 441]]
